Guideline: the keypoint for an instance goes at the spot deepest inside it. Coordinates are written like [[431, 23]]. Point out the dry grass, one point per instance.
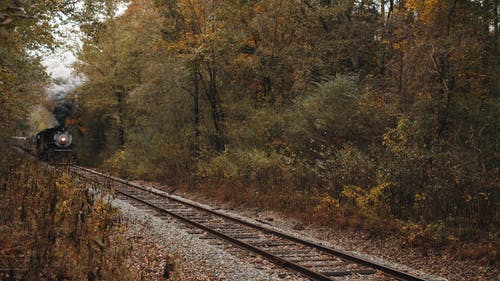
[[53, 227]]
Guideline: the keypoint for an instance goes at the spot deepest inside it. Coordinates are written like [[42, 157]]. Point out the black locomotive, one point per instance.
[[54, 145]]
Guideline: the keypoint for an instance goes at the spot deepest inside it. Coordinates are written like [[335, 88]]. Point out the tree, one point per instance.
[[25, 28], [110, 60], [374, 103]]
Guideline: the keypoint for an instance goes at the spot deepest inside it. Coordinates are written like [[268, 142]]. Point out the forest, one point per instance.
[[383, 110], [382, 115]]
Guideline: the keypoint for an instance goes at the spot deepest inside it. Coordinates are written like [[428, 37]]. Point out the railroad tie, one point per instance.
[[348, 272]]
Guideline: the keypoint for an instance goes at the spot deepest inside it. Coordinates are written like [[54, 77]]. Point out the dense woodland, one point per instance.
[[386, 110], [383, 111]]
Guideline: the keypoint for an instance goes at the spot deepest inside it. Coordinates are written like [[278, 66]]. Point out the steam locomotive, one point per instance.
[[54, 145]]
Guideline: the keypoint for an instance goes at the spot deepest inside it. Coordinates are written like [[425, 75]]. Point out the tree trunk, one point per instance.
[[391, 9], [495, 27], [267, 89], [217, 113], [382, 9], [401, 90], [196, 104], [446, 88], [196, 109], [121, 118]]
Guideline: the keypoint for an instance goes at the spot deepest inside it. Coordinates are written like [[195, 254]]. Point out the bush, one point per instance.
[[258, 169], [57, 229], [353, 167], [167, 162], [331, 112], [445, 175]]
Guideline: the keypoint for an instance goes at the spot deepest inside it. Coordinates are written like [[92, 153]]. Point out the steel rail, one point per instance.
[[391, 271], [277, 260]]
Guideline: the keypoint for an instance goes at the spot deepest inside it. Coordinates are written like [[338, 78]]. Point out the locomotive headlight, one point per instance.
[[62, 139]]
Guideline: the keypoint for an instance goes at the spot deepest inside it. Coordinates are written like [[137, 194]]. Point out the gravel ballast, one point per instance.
[[157, 239]]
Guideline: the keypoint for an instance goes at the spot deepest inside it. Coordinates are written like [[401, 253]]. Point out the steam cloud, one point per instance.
[[58, 66], [64, 80], [63, 109], [58, 90]]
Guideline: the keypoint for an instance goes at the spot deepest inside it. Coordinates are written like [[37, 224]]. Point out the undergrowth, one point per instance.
[[314, 208], [54, 227]]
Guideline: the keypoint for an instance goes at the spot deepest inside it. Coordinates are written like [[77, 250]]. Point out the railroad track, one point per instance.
[[310, 259]]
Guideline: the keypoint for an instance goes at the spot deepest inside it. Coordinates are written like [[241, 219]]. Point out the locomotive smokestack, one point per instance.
[[62, 110]]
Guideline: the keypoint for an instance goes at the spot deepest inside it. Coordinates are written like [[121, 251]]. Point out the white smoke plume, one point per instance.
[[64, 80]]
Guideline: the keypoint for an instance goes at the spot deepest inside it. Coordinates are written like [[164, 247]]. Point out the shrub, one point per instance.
[[353, 167], [57, 229], [257, 168], [441, 172], [331, 111], [169, 163]]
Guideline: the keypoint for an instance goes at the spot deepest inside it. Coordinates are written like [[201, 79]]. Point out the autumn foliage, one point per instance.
[[54, 227], [385, 111]]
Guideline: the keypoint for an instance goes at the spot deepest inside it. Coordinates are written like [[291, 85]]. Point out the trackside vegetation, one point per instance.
[[56, 228], [371, 113]]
